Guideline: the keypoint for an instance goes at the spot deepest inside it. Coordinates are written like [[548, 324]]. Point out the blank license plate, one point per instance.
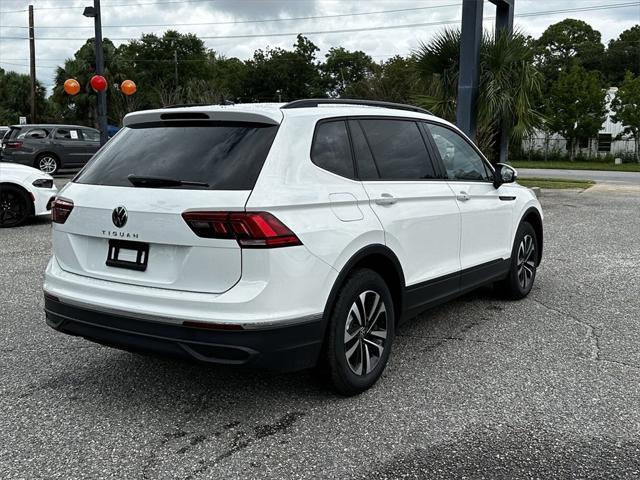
[[125, 254]]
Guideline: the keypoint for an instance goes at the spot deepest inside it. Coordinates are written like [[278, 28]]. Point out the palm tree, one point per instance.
[[509, 84]]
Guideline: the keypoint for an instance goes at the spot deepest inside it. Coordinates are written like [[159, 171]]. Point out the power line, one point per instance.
[[364, 29], [72, 7], [237, 22]]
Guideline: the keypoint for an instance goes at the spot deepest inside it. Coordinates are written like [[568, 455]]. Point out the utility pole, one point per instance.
[[175, 65], [102, 96], [32, 65]]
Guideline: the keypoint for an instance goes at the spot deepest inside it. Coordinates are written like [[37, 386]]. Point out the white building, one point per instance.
[[607, 142]]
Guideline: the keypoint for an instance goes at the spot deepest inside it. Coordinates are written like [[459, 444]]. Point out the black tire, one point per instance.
[[14, 206], [47, 159], [359, 291], [524, 262]]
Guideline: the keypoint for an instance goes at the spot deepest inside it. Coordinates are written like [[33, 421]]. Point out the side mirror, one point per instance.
[[504, 174]]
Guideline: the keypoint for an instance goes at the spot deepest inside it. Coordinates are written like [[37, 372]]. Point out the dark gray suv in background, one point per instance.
[[50, 147]]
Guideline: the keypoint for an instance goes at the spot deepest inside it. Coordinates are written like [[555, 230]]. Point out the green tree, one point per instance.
[[566, 42], [229, 75], [289, 74], [15, 98], [342, 68], [623, 54], [626, 109], [509, 84], [152, 63], [393, 80], [576, 106]]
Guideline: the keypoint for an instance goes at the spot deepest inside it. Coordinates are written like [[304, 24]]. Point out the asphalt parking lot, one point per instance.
[[547, 387]]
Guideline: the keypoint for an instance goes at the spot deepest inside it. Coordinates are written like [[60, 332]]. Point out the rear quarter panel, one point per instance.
[[330, 214]]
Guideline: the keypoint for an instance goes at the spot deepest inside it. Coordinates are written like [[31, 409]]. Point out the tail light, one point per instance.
[[15, 145], [60, 210], [249, 229]]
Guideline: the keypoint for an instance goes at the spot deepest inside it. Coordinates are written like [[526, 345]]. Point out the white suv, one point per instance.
[[283, 236]]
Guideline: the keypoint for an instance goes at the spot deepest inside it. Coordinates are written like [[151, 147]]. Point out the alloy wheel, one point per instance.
[[48, 164], [12, 208], [365, 332], [526, 262]]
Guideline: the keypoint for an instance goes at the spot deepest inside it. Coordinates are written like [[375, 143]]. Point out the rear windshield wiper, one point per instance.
[[158, 182]]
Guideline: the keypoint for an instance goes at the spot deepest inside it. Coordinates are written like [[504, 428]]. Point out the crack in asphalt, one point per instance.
[[592, 335], [591, 332]]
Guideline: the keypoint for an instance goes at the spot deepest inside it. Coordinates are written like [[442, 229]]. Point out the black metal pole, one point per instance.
[[504, 24], [32, 64], [469, 76], [102, 96]]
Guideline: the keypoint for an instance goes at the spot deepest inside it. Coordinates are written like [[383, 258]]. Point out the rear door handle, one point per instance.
[[463, 196], [386, 199]]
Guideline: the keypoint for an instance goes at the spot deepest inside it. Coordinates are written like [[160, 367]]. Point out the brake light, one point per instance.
[[61, 209], [15, 145], [249, 229]]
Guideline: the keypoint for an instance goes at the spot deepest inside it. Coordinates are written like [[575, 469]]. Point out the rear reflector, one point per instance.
[[249, 229], [61, 209]]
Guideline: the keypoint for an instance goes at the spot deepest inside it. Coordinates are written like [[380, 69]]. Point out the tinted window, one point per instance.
[[460, 159], [33, 133], [331, 150], [364, 160], [91, 135], [398, 149], [225, 155], [67, 134]]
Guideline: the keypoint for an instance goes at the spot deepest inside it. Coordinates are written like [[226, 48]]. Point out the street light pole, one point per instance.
[[102, 96]]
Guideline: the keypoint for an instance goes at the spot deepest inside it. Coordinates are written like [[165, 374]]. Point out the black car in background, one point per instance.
[[50, 147]]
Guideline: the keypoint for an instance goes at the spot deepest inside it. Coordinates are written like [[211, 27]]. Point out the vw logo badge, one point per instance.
[[119, 217]]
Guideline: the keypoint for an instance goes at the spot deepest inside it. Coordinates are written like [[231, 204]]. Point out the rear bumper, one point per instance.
[[283, 348]]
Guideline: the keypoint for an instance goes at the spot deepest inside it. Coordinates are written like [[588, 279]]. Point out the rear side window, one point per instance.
[[67, 134], [224, 155], [331, 150], [398, 149], [33, 133]]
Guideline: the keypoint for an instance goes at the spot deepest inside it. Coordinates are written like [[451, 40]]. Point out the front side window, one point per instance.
[[67, 134], [398, 149], [331, 150], [460, 159]]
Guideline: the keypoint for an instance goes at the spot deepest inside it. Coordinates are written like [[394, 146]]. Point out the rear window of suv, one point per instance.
[[224, 155]]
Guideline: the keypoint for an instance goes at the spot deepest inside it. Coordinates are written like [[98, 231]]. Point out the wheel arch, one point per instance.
[[380, 259], [533, 217]]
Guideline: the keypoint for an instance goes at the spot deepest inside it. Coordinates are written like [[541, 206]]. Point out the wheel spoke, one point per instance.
[[353, 349], [378, 333], [356, 314], [378, 316]]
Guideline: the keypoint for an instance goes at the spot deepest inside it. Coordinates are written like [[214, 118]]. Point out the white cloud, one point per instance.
[[62, 14]]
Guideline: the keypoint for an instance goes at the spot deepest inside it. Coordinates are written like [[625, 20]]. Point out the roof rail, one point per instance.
[[314, 102]]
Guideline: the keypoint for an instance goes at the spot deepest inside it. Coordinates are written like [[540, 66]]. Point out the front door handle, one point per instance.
[[463, 196], [386, 199]]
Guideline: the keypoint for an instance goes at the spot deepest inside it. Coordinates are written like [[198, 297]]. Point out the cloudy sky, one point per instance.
[[62, 28]]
